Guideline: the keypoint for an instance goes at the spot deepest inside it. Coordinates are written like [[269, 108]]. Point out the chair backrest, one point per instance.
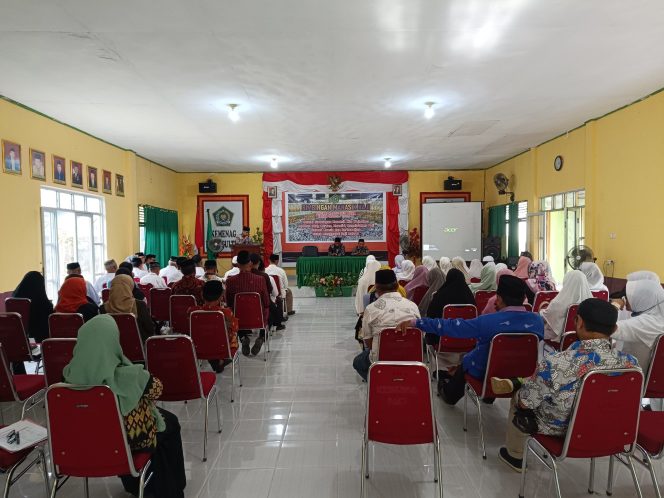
[[309, 251], [20, 305], [605, 417], [567, 340], [160, 305], [528, 306], [209, 335], [418, 293], [62, 325], [137, 279], [7, 388], [396, 346], [56, 355], [86, 432], [248, 309], [105, 294], [13, 338], [570, 323], [655, 377], [277, 283], [172, 359], [179, 318], [512, 354], [403, 283], [399, 407], [130, 337], [482, 298], [463, 311], [543, 297], [601, 294], [145, 289], [475, 280]]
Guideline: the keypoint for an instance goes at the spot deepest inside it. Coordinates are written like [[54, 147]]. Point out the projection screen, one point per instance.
[[452, 229]]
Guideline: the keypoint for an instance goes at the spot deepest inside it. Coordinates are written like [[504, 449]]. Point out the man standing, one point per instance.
[[199, 265], [275, 269], [137, 270], [246, 281], [245, 238], [336, 249], [75, 269], [153, 278], [386, 312], [360, 249], [111, 267], [189, 284]]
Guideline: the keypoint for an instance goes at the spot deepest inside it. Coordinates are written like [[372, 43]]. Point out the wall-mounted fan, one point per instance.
[[215, 245], [502, 182], [578, 255]]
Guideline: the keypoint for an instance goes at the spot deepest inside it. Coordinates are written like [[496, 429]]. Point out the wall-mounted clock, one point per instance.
[[558, 163]]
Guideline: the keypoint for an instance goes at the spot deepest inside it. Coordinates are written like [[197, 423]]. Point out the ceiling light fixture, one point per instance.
[[233, 113], [274, 163], [428, 111], [388, 162]]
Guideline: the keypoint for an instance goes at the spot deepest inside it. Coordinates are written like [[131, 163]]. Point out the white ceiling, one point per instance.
[[329, 84]]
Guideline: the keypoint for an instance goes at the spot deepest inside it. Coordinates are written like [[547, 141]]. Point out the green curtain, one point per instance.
[[497, 225], [161, 233], [513, 228]]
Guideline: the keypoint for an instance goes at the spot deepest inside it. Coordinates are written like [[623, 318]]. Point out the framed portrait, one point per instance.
[[222, 218], [397, 190], [272, 192], [37, 165], [106, 185], [119, 185], [76, 174], [59, 170], [11, 157], [93, 179]]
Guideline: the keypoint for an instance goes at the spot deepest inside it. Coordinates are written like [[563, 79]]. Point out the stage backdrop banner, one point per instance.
[[219, 220], [322, 217]]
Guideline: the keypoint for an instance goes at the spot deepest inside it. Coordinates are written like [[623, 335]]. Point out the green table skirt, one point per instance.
[[326, 265]]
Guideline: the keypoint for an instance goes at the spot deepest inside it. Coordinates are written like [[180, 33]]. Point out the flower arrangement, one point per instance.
[[332, 284], [186, 247], [414, 247], [258, 237]]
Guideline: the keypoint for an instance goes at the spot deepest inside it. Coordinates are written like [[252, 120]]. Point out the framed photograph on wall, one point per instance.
[[397, 190], [59, 170], [76, 174], [221, 219], [119, 185], [106, 185], [37, 165], [93, 179], [11, 157], [272, 192]]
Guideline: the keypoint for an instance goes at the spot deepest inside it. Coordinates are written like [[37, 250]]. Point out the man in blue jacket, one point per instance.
[[511, 316]]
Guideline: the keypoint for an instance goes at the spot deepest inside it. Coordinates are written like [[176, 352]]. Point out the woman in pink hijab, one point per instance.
[[522, 267], [419, 279], [491, 303]]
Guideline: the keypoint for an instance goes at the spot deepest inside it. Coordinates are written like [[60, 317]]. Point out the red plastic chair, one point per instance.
[[165, 280], [172, 359], [475, 280], [512, 354], [396, 346], [14, 339], [567, 340], [20, 305], [543, 297], [604, 421], [212, 342], [56, 355], [81, 416], [105, 294], [145, 289], [418, 293], [570, 319], [528, 306], [179, 318], [248, 309], [64, 325], [20, 388], [569, 336], [454, 344], [400, 411], [482, 298], [160, 306], [601, 294], [130, 337]]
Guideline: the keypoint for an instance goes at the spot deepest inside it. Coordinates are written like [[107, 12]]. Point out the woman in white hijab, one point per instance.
[[445, 264], [643, 275], [407, 271], [575, 289], [500, 266], [594, 275], [460, 264], [475, 270], [398, 260], [487, 279], [367, 279], [369, 259], [429, 263]]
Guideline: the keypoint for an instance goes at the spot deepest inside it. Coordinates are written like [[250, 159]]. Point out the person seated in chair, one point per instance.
[[543, 403], [511, 317], [336, 249], [210, 269], [360, 249], [189, 284]]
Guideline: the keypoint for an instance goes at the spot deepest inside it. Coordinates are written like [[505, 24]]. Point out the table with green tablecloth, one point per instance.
[[326, 265]]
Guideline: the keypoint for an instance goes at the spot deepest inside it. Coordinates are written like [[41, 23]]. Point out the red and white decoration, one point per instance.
[[370, 181]]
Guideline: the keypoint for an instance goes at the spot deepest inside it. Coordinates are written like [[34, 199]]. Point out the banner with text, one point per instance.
[[320, 217], [223, 222]]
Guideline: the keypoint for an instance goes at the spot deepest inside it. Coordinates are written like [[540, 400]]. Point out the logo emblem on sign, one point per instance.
[[223, 217]]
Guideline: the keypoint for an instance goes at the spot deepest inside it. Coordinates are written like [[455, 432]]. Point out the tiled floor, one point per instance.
[[295, 431]]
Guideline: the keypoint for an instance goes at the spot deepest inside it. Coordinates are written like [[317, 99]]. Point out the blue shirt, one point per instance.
[[483, 328]]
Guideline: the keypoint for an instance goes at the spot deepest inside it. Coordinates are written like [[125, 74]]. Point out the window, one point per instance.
[[73, 229], [522, 218]]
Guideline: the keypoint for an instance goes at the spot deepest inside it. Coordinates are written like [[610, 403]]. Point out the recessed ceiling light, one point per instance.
[[428, 111], [274, 163], [233, 113], [388, 162]]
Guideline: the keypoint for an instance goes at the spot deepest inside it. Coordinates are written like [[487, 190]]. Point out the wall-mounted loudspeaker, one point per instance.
[[452, 184], [491, 247], [208, 187]]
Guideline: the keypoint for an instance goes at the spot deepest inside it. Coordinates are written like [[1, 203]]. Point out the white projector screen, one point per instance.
[[452, 229]]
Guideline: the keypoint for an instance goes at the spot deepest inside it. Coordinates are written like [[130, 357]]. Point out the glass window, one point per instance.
[[64, 200], [93, 205], [79, 203], [570, 199], [581, 198], [558, 201], [547, 203], [49, 198]]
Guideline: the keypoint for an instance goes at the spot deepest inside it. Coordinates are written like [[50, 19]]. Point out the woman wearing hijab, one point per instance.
[[487, 279], [594, 275], [370, 258], [575, 290], [540, 278], [407, 271], [435, 279], [367, 279], [445, 264], [475, 269], [98, 360], [522, 267], [33, 287], [460, 264], [121, 300], [491, 303], [72, 298], [429, 263], [397, 264], [419, 279]]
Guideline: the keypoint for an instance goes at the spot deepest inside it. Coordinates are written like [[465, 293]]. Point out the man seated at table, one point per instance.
[[546, 399], [510, 317], [336, 249], [245, 238], [360, 249]]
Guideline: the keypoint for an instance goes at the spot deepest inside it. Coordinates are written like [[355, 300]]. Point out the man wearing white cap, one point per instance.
[[233, 271], [487, 259]]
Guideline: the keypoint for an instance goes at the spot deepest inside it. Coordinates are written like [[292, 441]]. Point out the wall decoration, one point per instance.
[[11, 157], [37, 165], [119, 185], [106, 185], [272, 192], [59, 170], [76, 174], [334, 182], [93, 179], [219, 220], [396, 190]]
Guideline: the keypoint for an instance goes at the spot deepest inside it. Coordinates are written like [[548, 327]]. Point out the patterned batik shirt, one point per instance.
[[551, 391]]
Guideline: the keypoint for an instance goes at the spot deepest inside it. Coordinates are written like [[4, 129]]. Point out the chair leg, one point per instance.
[[609, 482], [556, 481], [591, 479], [632, 471], [239, 371], [653, 475], [141, 481], [216, 403], [481, 428], [207, 409], [8, 482], [42, 457], [440, 467], [54, 487], [524, 468], [465, 409], [86, 487], [364, 471]]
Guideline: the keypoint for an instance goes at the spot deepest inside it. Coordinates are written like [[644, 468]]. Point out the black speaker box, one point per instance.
[[491, 247], [208, 187], [452, 184]]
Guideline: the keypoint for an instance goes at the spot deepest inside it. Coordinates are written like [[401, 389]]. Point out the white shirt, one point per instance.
[[283, 279], [199, 272], [388, 311], [139, 273], [105, 279], [91, 292], [154, 280], [171, 273], [233, 271]]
